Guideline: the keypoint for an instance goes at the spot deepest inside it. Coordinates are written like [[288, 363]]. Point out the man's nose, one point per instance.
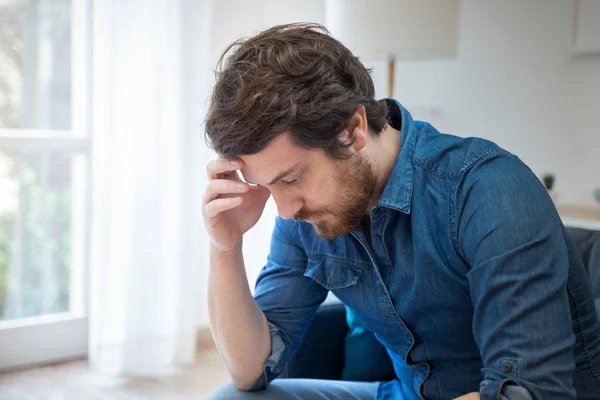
[[287, 207]]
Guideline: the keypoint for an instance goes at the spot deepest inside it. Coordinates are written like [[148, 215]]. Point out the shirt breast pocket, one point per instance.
[[333, 274]]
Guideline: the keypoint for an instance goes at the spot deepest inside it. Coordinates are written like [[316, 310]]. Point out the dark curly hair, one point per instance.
[[292, 78]]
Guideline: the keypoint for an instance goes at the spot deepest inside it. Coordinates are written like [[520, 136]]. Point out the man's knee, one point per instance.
[[230, 392]]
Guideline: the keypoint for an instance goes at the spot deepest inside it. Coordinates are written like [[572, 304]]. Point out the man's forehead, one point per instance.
[[280, 155]]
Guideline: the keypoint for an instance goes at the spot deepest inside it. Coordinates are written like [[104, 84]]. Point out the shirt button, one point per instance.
[[378, 238], [506, 367]]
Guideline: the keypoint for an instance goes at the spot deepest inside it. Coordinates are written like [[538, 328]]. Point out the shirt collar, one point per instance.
[[397, 193]]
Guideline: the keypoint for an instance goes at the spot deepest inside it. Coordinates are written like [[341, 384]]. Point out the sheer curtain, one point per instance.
[[146, 266]]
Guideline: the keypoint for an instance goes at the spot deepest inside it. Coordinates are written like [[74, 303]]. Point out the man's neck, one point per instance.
[[383, 156]]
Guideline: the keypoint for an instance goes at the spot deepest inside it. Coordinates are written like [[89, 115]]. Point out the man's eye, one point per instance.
[[292, 182]]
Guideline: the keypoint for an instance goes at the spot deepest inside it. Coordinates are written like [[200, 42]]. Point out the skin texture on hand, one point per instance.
[[470, 396]]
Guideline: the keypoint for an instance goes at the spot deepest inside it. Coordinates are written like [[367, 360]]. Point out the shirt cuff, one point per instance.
[[503, 390], [276, 361]]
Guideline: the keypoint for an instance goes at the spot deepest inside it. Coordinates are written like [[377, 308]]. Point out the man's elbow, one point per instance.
[[242, 384], [244, 380]]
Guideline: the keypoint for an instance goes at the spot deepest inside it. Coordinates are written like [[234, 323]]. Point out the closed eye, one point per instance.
[[291, 182]]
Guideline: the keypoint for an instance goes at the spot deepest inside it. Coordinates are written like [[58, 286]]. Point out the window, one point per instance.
[[44, 147]]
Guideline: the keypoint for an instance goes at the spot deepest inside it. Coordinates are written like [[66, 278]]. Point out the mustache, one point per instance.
[[305, 214]]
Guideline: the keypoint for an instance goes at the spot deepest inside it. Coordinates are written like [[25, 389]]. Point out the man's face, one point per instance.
[[332, 195]]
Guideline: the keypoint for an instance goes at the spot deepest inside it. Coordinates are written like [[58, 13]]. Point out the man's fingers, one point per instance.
[[217, 206], [469, 396], [219, 187], [221, 166]]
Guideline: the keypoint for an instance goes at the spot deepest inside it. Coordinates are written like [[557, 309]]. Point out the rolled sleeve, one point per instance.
[[288, 299], [509, 233], [503, 390], [276, 361]]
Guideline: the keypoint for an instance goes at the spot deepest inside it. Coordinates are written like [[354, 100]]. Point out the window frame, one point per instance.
[[57, 337]]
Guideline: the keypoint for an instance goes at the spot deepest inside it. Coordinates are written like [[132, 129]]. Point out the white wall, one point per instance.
[[233, 19], [516, 83]]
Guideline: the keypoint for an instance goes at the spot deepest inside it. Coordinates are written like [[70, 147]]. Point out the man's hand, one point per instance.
[[470, 396], [230, 206]]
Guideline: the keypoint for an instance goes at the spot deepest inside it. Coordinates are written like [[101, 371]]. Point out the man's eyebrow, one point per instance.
[[283, 174]]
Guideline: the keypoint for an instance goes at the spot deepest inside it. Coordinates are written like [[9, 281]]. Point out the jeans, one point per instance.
[[302, 389]]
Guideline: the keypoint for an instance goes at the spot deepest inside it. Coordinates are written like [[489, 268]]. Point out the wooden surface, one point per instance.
[[575, 212], [75, 381]]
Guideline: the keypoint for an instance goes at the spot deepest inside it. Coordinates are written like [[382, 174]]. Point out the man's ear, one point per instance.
[[357, 129]]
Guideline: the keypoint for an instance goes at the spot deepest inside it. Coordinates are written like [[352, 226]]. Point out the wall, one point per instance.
[[516, 83], [233, 19]]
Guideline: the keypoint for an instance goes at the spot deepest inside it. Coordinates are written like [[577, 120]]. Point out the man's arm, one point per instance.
[[470, 396], [255, 344], [230, 208], [509, 392], [288, 299], [239, 327], [507, 230], [258, 336]]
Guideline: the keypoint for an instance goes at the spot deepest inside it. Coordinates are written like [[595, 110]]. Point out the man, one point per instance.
[[448, 249]]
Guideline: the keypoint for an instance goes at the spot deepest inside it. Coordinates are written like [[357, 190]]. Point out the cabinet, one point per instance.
[[582, 217], [586, 27]]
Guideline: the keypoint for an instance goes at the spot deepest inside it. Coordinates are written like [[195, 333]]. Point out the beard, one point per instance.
[[355, 180]]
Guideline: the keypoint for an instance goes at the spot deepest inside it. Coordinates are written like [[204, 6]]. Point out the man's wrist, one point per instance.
[[232, 254]]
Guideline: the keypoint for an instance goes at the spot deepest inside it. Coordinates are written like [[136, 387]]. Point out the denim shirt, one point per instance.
[[468, 278]]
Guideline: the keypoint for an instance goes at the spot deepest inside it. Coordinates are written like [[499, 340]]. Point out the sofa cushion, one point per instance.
[[365, 358], [321, 353], [587, 242]]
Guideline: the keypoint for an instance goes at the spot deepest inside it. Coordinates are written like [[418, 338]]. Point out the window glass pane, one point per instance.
[[35, 64], [36, 246]]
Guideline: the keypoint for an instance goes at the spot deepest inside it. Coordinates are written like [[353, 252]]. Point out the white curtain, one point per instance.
[[146, 268]]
